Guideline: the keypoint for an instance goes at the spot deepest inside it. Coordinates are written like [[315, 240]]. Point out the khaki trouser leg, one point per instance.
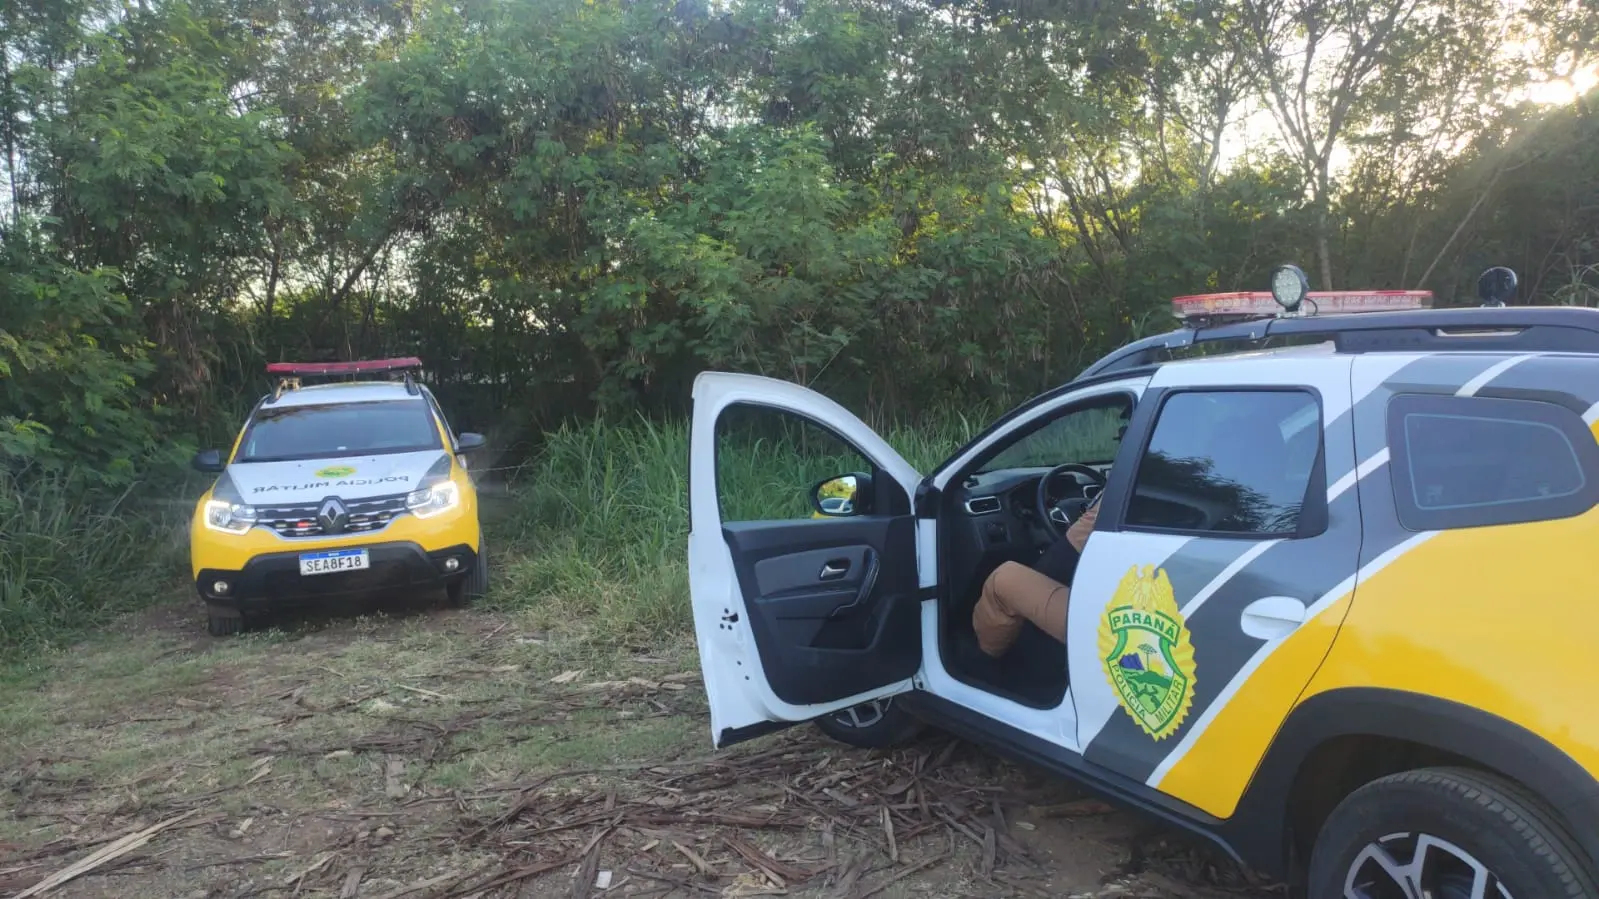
[[1012, 594]]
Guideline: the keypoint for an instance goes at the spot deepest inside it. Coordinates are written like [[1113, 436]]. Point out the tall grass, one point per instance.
[[69, 560], [600, 518], [592, 532]]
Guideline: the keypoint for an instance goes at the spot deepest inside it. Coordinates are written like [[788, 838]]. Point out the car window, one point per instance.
[[1086, 436], [1472, 461], [1234, 462], [338, 429], [768, 460], [438, 410]]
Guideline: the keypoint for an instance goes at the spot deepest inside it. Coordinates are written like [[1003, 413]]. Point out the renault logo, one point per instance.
[[332, 516]]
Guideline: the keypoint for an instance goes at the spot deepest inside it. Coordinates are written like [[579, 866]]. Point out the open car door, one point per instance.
[[802, 556]]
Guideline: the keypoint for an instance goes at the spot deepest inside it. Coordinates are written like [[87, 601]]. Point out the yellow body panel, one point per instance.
[[1496, 618], [1218, 767], [230, 552]]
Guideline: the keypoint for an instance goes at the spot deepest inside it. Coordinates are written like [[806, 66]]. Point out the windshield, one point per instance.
[[1087, 436], [339, 429]]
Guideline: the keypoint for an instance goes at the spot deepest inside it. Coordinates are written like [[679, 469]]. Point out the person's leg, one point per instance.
[[1013, 594]]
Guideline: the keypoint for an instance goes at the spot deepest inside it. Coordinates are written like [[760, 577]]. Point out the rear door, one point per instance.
[[1220, 570], [802, 556]]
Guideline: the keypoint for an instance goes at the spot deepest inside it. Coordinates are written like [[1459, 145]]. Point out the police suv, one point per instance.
[[1333, 615], [333, 489]]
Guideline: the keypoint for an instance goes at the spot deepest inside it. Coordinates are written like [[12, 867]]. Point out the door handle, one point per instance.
[[833, 570], [1271, 617]]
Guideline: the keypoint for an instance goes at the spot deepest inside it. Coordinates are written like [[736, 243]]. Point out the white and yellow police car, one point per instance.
[[348, 487], [1333, 614]]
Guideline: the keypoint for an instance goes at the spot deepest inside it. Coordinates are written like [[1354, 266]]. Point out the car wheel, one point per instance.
[[1446, 833], [223, 621], [475, 585], [878, 724]]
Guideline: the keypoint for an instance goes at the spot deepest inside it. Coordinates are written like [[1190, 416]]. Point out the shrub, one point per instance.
[[71, 559]]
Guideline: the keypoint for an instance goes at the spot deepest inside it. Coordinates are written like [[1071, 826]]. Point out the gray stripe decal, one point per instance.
[[1564, 380], [1494, 371], [1303, 569]]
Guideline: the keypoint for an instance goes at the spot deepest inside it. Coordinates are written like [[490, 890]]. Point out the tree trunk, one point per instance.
[[1323, 198]]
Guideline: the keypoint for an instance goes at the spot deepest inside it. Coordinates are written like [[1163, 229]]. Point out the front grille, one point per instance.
[[366, 516]]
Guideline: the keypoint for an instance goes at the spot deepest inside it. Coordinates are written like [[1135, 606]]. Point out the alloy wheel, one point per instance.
[[864, 715], [1419, 866]]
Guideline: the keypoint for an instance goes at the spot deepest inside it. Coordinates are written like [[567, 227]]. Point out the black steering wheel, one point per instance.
[[1059, 516]]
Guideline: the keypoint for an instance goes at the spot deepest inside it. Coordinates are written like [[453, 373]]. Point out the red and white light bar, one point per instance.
[[1260, 304], [367, 366]]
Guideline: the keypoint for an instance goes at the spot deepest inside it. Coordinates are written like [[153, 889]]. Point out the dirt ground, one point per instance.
[[430, 753]]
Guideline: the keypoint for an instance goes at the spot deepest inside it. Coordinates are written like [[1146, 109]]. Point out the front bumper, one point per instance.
[[274, 579]]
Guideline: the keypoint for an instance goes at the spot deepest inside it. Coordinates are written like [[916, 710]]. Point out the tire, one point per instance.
[[223, 621], [1445, 817], [475, 585], [880, 724]]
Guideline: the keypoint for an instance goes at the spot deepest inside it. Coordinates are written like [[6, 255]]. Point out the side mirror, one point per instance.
[[843, 496], [208, 461], [468, 441]]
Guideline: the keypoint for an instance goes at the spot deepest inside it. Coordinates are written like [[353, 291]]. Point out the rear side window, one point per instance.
[[1461, 462], [1233, 462]]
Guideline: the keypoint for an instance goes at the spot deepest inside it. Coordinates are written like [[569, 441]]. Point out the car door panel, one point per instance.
[[799, 617], [830, 571], [819, 638]]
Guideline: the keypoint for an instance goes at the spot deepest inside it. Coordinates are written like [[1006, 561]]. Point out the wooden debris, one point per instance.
[[103, 856], [421, 692], [419, 886], [241, 860], [319, 864], [352, 882], [888, 832], [691, 855], [865, 820], [901, 874], [393, 770]]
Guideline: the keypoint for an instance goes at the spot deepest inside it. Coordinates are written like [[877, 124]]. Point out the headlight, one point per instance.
[[230, 518], [430, 501]]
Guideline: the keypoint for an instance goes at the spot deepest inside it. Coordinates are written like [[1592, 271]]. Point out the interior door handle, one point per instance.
[[868, 584], [833, 570]]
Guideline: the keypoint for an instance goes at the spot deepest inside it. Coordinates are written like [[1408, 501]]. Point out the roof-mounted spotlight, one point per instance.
[[1497, 286], [1289, 286]]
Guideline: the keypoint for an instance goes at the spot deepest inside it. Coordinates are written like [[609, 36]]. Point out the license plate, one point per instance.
[[336, 560]]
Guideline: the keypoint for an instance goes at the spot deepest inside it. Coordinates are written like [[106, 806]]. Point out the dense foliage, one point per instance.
[[566, 203], [569, 207]]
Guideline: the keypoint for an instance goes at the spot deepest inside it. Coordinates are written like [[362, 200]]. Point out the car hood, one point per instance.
[[312, 480]]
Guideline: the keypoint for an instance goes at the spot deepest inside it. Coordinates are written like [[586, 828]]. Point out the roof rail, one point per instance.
[[1406, 326], [1569, 329], [290, 373]]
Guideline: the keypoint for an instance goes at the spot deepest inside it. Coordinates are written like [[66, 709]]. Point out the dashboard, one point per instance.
[[994, 517]]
